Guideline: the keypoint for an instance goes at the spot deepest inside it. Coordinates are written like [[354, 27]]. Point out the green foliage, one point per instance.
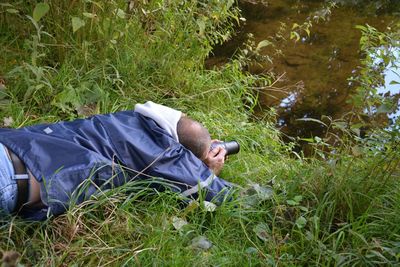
[[40, 10], [379, 51], [125, 42], [298, 29]]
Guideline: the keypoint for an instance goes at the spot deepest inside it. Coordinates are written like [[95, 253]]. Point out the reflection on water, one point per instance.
[[289, 101], [315, 70]]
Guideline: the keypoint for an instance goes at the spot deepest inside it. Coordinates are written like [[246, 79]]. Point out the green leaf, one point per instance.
[[305, 209], [12, 10], [361, 27], [340, 125], [318, 139], [67, 100], [384, 108], [294, 35], [251, 250], [39, 86], [262, 231], [301, 222], [298, 198], [89, 15], [394, 82], [202, 26], [310, 140], [6, 4], [262, 44], [120, 13], [291, 202], [77, 23], [356, 131], [40, 10]]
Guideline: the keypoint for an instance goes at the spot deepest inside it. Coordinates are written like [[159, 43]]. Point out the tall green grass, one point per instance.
[[288, 210]]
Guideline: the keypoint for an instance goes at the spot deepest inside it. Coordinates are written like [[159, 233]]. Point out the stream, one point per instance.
[[313, 72]]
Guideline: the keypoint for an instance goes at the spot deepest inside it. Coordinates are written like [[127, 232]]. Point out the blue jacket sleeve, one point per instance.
[[184, 170]]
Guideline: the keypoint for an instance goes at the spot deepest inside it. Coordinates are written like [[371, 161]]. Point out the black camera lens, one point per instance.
[[231, 147]]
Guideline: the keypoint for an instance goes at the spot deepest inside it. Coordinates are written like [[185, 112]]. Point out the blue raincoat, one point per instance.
[[73, 160]]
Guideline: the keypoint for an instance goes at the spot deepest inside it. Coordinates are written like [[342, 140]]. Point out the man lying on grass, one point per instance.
[[45, 168]]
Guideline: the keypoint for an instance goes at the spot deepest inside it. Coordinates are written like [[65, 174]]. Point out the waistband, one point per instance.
[[22, 179]]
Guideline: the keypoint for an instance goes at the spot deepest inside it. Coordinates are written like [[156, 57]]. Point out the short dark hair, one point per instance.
[[194, 136]]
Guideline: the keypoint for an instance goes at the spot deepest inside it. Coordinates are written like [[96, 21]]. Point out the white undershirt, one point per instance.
[[167, 118]]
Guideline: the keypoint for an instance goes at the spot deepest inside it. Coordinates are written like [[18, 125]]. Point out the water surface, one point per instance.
[[314, 71]]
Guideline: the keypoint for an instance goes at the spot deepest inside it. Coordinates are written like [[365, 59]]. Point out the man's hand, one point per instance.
[[215, 159]]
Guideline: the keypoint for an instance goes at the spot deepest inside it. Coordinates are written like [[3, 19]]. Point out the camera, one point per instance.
[[231, 147]]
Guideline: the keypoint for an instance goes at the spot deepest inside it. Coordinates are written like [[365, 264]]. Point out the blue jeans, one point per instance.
[[8, 183]]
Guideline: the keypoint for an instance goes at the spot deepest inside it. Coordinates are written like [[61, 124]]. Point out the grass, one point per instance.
[[288, 211], [137, 228]]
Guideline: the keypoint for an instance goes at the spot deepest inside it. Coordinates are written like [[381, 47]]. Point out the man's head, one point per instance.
[[194, 137]]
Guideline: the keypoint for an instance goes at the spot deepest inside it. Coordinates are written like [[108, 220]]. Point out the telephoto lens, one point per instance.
[[231, 147]]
